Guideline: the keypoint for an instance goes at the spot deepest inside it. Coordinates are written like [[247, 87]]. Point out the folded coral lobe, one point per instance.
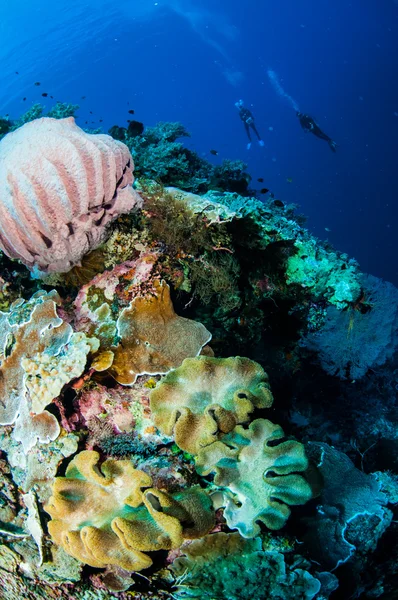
[[59, 187]]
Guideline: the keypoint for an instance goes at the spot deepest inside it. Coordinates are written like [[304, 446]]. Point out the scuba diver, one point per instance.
[[310, 125], [248, 122]]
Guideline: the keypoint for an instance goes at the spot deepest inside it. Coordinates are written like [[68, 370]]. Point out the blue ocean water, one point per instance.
[[191, 60]]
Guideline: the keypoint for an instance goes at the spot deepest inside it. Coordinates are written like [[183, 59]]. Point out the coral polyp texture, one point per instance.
[[40, 353], [206, 397], [110, 515], [259, 470], [59, 187]]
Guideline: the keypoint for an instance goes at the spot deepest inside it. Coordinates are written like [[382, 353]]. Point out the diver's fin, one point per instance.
[[332, 145]]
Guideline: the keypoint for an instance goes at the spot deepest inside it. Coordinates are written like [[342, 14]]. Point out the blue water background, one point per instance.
[[191, 60]]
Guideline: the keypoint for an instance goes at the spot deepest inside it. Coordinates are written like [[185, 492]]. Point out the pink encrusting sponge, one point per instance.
[[59, 187]]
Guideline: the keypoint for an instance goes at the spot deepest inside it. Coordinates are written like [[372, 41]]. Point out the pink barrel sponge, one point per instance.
[[59, 187]]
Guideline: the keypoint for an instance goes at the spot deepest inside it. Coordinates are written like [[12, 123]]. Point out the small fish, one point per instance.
[[24, 99], [37, 83], [131, 112], [83, 97], [289, 179], [16, 73], [327, 229], [101, 120], [44, 94], [86, 122], [264, 191], [214, 152], [91, 112], [260, 180], [52, 97]]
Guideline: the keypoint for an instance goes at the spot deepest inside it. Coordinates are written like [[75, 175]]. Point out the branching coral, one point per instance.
[[59, 187], [153, 338], [259, 470], [110, 515], [231, 176], [206, 397], [159, 156], [40, 353]]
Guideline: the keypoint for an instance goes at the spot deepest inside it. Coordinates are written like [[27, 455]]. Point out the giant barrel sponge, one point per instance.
[[59, 187]]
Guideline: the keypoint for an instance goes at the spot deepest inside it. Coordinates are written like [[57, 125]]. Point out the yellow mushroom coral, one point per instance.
[[153, 338], [110, 515], [206, 397]]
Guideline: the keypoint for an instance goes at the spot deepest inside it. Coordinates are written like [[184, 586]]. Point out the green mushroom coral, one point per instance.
[[259, 473]]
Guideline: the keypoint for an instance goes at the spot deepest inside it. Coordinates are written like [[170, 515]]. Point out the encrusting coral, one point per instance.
[[227, 566], [40, 353], [59, 187], [206, 397], [324, 273], [259, 470], [110, 515]]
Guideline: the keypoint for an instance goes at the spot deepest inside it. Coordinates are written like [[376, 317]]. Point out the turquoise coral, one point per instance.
[[259, 472], [324, 273]]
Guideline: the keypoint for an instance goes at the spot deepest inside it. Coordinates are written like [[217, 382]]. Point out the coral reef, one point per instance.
[[112, 515], [206, 397], [56, 197], [159, 156], [151, 451]]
